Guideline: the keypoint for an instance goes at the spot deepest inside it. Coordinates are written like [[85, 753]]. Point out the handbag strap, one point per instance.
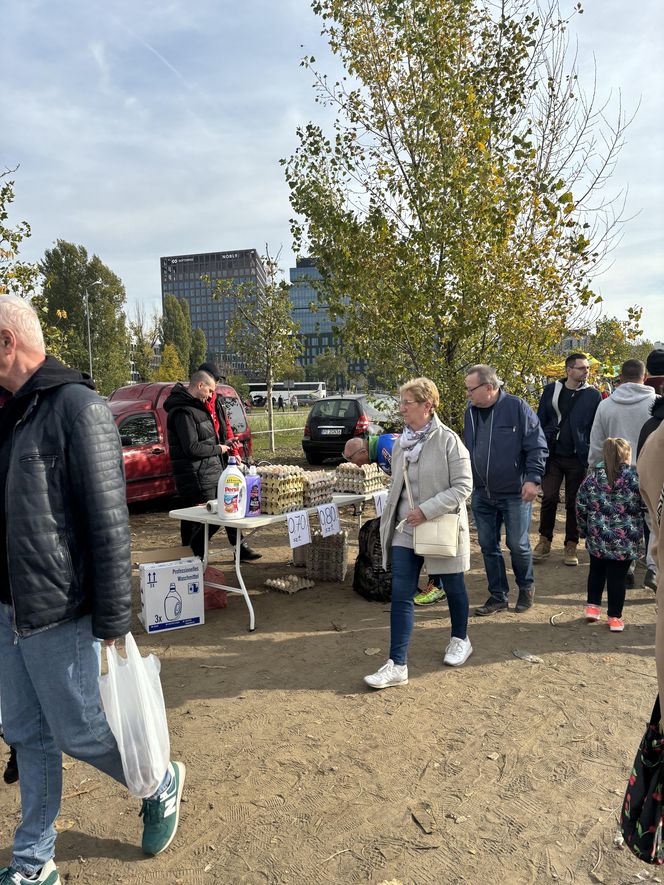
[[407, 482]]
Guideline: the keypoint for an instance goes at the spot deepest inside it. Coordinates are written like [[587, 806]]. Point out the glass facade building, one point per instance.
[[316, 329], [181, 276]]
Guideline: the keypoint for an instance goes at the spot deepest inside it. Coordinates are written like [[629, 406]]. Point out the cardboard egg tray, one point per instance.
[[282, 488], [359, 479], [318, 488], [327, 558]]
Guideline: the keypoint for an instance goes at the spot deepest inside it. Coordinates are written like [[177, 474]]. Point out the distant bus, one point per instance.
[[300, 389]]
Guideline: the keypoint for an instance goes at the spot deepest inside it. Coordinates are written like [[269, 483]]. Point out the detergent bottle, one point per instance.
[[253, 493], [232, 492]]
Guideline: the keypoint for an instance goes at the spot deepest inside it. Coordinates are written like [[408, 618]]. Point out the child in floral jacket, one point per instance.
[[610, 517]]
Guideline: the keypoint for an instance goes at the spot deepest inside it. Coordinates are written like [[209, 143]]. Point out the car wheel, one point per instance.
[[313, 458]]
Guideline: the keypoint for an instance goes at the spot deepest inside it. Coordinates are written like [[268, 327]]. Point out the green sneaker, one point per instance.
[[48, 876], [430, 595], [161, 816]]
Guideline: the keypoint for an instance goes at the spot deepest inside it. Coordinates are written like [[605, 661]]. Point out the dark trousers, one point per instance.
[[193, 533], [559, 467], [611, 572]]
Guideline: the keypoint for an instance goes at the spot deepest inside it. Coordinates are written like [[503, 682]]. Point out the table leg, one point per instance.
[[243, 589]]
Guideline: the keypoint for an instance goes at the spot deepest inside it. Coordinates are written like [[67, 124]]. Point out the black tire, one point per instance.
[[313, 458]]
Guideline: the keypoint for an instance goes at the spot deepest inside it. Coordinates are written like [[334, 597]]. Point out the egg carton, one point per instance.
[[327, 558], [281, 488], [289, 583], [359, 479], [318, 488], [286, 502]]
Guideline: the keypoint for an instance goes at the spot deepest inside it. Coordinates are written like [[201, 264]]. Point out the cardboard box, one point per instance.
[[171, 594]]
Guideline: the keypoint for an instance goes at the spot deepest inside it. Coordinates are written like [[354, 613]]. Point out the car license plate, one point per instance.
[[331, 431]]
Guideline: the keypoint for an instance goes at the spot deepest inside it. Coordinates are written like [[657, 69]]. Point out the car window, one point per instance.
[[235, 414], [140, 429], [335, 408]]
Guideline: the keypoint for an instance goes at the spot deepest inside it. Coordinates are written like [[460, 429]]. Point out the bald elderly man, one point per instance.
[[374, 450]]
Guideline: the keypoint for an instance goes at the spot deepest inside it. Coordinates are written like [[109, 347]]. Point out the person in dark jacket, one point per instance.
[[508, 452], [566, 412], [655, 371], [65, 584], [657, 416], [196, 457]]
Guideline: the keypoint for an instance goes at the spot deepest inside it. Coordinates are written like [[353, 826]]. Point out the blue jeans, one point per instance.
[[489, 515], [50, 706], [406, 568]]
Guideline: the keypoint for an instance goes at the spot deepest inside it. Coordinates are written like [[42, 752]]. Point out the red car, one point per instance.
[[139, 414]]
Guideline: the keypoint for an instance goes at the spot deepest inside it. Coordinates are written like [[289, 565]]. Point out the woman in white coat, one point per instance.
[[440, 477]]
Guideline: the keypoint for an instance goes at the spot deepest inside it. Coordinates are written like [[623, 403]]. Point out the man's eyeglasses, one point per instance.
[[351, 456], [473, 389]]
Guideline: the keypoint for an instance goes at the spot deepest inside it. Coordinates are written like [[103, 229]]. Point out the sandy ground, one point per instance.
[[502, 771]]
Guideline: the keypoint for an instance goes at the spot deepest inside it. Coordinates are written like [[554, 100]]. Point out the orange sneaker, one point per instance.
[[616, 625], [593, 612]]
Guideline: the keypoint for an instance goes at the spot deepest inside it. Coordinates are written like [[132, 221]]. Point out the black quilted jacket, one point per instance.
[[67, 529], [193, 446]]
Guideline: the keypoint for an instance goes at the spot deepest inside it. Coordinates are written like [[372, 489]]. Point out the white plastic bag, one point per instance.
[[133, 701]]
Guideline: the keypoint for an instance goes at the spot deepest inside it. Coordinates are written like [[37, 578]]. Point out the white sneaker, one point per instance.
[[457, 652], [388, 675]]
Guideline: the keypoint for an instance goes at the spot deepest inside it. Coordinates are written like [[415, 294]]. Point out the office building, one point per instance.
[[316, 332], [181, 276]]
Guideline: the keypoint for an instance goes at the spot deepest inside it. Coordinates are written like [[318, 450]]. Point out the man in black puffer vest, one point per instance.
[[197, 456]]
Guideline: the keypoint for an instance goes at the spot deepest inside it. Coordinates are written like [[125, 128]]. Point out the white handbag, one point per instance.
[[434, 537]]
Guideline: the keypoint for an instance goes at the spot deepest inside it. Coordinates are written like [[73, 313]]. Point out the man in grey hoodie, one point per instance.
[[624, 413]]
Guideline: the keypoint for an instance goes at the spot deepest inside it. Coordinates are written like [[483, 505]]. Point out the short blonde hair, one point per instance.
[[422, 390], [20, 317]]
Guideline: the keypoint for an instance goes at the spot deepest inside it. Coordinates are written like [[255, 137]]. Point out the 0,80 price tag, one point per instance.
[[379, 501], [298, 528], [329, 519]]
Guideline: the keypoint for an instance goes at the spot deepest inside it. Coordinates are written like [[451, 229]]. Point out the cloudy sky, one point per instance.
[[155, 128]]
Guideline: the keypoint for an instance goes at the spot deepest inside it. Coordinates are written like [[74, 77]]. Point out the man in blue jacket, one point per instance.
[[566, 412], [508, 453]]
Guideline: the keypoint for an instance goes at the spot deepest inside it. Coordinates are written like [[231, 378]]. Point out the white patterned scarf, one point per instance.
[[411, 441]]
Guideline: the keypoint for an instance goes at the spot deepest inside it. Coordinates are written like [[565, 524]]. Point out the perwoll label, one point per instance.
[[232, 494]]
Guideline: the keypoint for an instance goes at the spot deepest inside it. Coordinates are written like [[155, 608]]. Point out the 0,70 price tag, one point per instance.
[[379, 501], [298, 528], [329, 519]]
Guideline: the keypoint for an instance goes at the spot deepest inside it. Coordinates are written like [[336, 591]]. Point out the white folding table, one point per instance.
[[247, 526]]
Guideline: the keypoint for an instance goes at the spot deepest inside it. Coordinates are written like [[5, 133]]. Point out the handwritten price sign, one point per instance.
[[298, 528], [329, 519], [379, 502]]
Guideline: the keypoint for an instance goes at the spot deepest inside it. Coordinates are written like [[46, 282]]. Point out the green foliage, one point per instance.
[[449, 211], [329, 366], [72, 279], [23, 279], [613, 340], [176, 328], [198, 350], [171, 369], [240, 383]]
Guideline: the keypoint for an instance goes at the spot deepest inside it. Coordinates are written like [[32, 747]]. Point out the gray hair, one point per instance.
[[20, 317], [485, 375]]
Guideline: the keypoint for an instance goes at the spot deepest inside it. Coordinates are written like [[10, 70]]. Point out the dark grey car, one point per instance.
[[336, 419]]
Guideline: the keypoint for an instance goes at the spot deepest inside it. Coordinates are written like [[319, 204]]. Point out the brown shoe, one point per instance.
[[542, 549], [570, 557]]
